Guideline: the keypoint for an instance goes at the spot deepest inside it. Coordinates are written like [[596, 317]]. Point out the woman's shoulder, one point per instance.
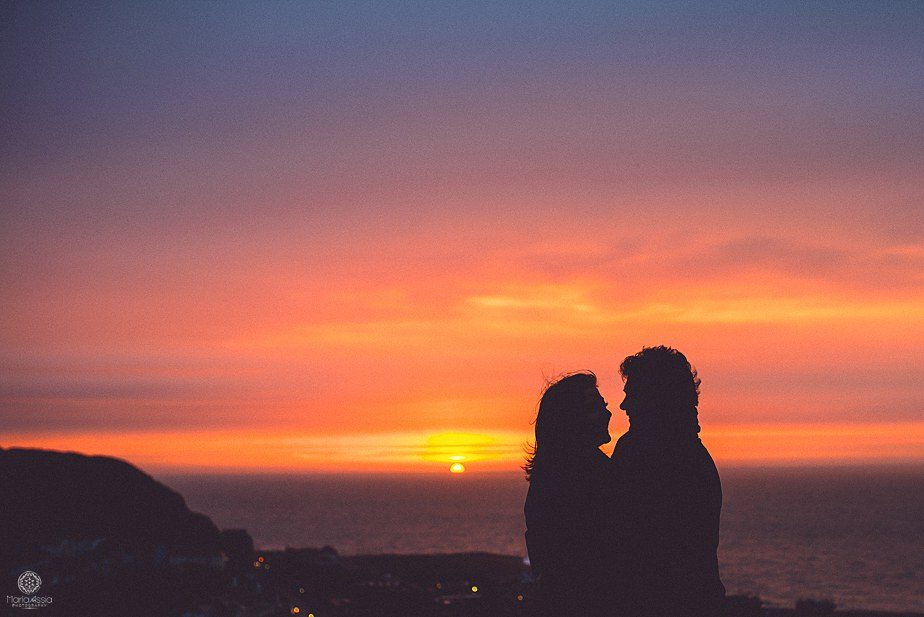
[[576, 481]]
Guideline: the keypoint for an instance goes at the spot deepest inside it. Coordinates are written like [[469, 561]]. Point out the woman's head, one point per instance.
[[572, 417]]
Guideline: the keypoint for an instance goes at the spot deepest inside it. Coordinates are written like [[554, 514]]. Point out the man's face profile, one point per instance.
[[630, 404]]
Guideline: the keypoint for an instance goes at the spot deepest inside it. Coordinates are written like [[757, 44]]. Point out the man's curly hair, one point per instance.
[[663, 373]]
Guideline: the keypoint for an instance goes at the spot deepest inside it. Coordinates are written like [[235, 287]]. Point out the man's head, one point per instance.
[[659, 382]]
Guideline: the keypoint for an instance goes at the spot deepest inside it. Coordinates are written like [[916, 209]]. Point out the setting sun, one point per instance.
[[457, 468]]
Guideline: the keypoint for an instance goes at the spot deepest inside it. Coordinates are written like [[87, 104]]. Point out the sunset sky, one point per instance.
[[361, 236]]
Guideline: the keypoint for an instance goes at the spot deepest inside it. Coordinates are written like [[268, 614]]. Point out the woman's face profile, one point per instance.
[[595, 418]]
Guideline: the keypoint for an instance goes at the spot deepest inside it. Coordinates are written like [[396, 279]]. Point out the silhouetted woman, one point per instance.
[[569, 500]]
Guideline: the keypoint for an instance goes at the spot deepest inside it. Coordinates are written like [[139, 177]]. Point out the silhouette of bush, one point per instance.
[[743, 606]]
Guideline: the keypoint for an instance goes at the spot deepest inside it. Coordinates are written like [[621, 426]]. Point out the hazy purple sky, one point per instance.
[[386, 218]]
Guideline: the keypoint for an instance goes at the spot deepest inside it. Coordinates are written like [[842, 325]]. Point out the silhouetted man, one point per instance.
[[669, 494]]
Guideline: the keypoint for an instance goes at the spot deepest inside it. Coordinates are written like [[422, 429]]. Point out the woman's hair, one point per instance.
[[554, 420]]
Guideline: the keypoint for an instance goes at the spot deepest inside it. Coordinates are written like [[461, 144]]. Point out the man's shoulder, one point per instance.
[[703, 456]]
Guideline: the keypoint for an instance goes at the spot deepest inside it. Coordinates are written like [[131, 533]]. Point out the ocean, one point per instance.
[[853, 536]]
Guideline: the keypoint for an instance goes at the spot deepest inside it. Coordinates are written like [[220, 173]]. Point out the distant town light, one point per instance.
[[301, 590], [519, 597], [474, 588], [296, 610], [256, 564], [439, 585], [261, 559]]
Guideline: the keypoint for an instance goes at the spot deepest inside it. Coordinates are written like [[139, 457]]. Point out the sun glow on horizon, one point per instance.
[[255, 452], [456, 447]]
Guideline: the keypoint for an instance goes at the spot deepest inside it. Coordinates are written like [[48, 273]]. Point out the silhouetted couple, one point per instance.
[[632, 535]]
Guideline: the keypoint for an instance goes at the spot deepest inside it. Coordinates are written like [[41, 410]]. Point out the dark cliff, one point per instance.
[[49, 497]]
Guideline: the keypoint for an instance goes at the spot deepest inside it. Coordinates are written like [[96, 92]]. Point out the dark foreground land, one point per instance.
[[96, 537], [319, 582], [109, 580]]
